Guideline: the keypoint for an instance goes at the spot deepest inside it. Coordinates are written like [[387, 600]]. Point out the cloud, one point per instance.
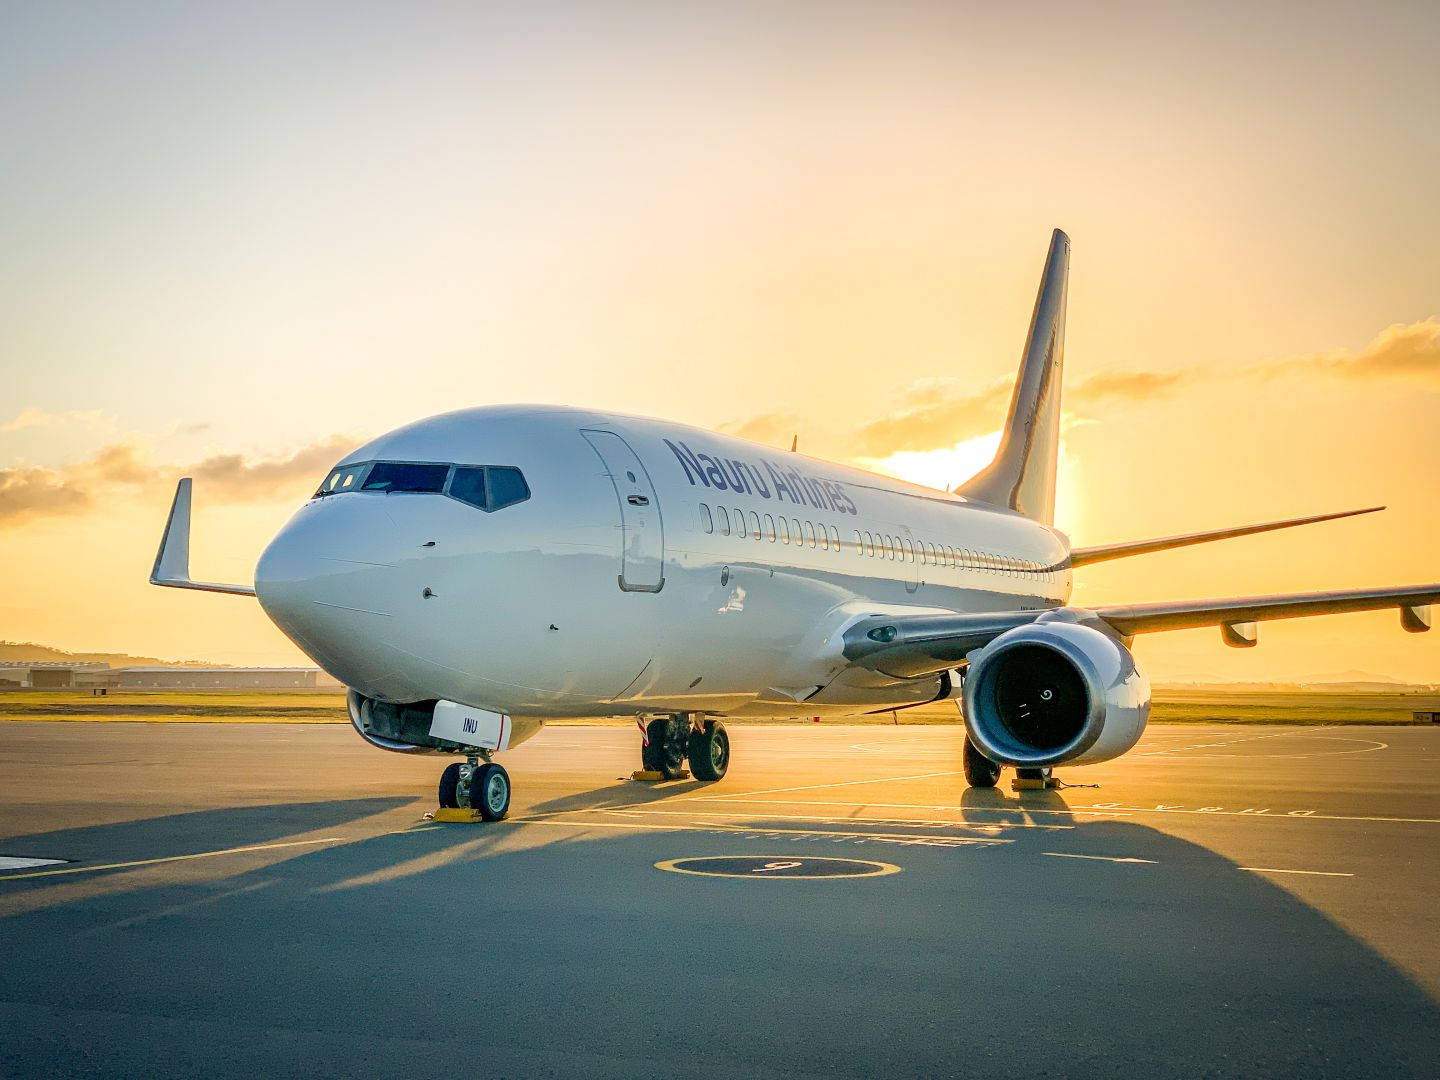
[[1402, 350], [236, 477], [29, 492], [927, 420], [934, 414], [773, 429], [1127, 385], [36, 492], [38, 418]]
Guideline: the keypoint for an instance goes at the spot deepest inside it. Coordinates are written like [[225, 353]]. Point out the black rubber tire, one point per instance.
[[665, 752], [709, 751], [449, 786], [490, 792], [980, 771]]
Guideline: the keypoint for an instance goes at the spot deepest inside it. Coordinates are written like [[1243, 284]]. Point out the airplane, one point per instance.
[[471, 574]]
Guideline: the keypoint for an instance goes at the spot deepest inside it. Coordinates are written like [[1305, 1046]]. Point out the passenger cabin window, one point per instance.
[[706, 521], [770, 528], [784, 532], [754, 525], [724, 520]]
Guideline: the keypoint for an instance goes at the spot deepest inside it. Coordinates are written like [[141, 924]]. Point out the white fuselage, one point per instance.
[[621, 585]]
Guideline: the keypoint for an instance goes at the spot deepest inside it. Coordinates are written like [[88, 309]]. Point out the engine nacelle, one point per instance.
[[1055, 693]]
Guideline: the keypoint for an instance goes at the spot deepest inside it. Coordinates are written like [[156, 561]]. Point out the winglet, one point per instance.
[[172, 561]]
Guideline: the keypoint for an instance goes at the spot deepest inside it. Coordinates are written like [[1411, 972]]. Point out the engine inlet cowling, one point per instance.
[[1054, 693]]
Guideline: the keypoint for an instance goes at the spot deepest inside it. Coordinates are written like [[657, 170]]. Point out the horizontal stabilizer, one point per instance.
[[1085, 556], [172, 561]]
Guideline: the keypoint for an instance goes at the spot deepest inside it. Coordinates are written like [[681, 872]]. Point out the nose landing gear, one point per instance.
[[671, 739], [473, 786]]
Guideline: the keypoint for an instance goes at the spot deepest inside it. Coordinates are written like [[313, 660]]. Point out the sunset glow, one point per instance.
[[230, 256]]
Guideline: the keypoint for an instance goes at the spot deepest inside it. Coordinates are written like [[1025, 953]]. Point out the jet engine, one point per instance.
[[1055, 693]]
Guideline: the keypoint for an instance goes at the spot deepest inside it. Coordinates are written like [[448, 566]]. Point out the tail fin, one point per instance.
[[1022, 476]]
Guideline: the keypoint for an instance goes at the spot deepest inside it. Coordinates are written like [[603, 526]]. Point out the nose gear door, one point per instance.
[[642, 543]]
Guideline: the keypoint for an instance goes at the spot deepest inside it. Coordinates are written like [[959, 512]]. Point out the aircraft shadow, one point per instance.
[[527, 949]]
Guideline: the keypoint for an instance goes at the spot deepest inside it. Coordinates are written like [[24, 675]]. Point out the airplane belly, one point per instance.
[[730, 630]]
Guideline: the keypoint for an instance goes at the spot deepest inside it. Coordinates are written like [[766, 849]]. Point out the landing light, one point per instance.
[[883, 634]]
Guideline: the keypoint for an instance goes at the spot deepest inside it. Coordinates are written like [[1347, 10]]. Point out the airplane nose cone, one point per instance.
[[326, 579]]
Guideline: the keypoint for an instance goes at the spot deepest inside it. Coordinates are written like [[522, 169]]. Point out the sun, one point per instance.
[[941, 469]]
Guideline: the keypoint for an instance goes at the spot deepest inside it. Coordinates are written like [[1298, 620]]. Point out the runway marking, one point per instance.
[[831, 819], [755, 833], [169, 859], [1274, 870], [1207, 746], [1094, 809], [1017, 809], [1099, 858], [843, 783], [1375, 744], [777, 868], [11, 862]]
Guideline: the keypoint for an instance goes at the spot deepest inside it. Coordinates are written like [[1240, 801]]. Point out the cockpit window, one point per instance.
[[492, 488], [345, 478], [507, 487], [468, 485], [406, 476], [487, 487]]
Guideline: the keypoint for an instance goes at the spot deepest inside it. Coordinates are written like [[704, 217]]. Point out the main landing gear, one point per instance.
[[981, 772], [669, 740], [473, 786]]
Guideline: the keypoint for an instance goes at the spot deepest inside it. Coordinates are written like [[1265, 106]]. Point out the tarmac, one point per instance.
[[271, 900]]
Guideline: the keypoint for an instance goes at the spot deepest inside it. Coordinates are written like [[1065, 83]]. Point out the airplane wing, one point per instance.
[[909, 646], [172, 561], [1105, 552], [1412, 600]]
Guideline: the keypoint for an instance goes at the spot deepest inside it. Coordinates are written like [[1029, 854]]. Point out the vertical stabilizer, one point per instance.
[[1022, 476]]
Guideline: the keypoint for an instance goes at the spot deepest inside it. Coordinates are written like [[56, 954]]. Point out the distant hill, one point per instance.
[[23, 652]]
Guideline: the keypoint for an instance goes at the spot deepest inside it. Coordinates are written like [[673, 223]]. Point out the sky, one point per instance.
[[237, 240]]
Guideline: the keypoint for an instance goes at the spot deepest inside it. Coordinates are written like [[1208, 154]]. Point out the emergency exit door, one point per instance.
[[642, 536]]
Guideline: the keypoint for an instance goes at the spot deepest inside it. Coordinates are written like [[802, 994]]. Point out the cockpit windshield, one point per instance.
[[406, 476], [486, 487]]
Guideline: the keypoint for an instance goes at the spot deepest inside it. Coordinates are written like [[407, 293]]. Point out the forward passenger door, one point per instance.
[[642, 536]]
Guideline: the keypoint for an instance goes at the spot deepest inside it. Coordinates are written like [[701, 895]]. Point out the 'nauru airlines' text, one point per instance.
[[788, 485]]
